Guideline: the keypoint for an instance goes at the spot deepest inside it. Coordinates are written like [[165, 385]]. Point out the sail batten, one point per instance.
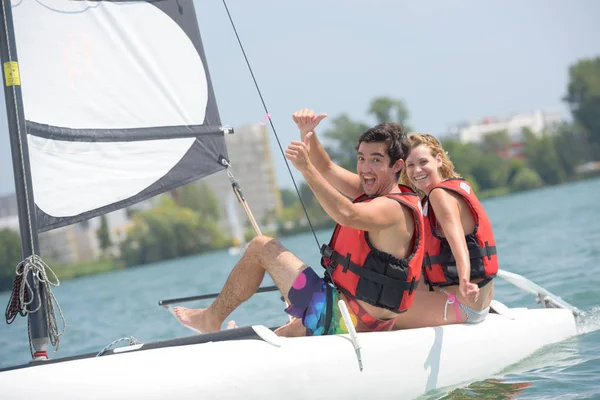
[[120, 135], [118, 103]]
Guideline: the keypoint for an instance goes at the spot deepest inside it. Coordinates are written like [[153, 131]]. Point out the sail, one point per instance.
[[118, 103]]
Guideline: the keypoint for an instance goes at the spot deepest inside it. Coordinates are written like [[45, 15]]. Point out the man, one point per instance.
[[375, 255]]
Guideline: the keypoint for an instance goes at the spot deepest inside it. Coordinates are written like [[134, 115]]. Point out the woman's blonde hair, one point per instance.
[[447, 168]]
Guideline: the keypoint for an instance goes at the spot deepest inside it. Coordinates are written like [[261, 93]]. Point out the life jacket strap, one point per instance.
[[485, 281], [481, 252], [347, 264], [448, 258]]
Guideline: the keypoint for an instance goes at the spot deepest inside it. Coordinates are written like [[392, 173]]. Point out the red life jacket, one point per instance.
[[439, 265], [371, 275]]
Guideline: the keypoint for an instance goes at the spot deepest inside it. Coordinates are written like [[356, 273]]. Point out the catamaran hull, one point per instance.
[[400, 364]]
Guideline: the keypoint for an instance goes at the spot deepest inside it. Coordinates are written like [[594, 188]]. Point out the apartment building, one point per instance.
[[69, 244], [253, 167], [537, 121]]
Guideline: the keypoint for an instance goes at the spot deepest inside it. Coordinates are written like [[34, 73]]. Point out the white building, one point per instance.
[[253, 168], [537, 122], [9, 215], [69, 244]]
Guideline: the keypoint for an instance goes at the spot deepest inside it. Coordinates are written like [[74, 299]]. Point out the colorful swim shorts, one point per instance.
[[316, 303]]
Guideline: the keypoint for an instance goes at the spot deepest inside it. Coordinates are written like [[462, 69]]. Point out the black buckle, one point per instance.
[[326, 251], [487, 251], [427, 261], [413, 285], [346, 263]]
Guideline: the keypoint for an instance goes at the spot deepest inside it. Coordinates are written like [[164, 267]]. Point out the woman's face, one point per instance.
[[422, 168]]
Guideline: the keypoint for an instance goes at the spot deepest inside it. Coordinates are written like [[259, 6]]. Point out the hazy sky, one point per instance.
[[448, 60]]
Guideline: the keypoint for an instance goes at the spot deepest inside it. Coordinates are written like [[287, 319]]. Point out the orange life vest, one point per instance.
[[368, 274], [439, 265]]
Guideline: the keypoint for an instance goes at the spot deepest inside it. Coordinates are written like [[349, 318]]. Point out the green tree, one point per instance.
[[495, 142], [542, 157], [464, 156], [288, 197], [583, 97], [491, 172], [10, 256], [103, 234], [199, 197], [316, 213], [572, 148], [343, 136], [209, 206], [169, 231], [308, 197], [514, 167], [386, 109], [526, 179]]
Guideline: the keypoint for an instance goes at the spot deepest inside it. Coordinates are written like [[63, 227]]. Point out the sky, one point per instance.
[[448, 60]]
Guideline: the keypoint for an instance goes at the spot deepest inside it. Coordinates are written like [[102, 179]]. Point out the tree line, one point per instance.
[[547, 159]]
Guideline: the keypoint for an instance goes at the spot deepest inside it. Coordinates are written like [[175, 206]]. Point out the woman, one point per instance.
[[460, 252]]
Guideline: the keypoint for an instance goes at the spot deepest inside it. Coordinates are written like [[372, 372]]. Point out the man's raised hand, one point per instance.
[[307, 121], [298, 153]]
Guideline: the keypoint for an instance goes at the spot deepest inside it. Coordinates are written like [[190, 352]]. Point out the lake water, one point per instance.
[[551, 236]]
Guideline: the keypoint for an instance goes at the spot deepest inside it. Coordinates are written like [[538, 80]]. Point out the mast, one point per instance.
[[22, 174]]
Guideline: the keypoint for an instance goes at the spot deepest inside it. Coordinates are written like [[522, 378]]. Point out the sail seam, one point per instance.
[[120, 135]]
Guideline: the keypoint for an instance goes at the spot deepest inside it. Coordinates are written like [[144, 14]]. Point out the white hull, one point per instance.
[[400, 364]]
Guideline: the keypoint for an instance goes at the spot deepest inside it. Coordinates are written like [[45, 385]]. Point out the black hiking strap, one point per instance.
[[480, 252], [347, 264], [485, 281]]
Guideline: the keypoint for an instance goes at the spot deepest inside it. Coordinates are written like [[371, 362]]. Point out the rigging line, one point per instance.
[[271, 122]]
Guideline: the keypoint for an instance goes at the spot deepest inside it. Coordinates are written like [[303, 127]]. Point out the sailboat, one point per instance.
[[110, 103]]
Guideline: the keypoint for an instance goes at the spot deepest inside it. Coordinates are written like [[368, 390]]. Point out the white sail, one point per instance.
[[118, 103]]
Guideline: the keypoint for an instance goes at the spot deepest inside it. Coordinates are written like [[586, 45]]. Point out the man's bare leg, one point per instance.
[[263, 254]]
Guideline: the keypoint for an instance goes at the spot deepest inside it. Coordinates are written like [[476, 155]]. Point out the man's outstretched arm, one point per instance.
[[348, 183], [371, 216]]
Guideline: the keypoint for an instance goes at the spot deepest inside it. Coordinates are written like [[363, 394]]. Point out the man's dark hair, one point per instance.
[[393, 135]]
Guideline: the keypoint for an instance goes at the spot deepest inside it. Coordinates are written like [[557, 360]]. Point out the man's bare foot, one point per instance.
[[198, 319], [294, 328]]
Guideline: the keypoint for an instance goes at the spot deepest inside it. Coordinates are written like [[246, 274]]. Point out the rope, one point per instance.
[[237, 190], [271, 122], [131, 339], [23, 295], [13, 308]]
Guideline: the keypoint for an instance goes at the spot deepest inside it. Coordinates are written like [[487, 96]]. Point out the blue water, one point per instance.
[[551, 236]]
